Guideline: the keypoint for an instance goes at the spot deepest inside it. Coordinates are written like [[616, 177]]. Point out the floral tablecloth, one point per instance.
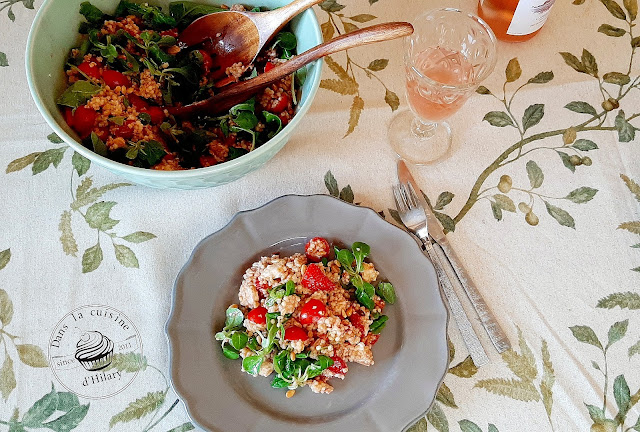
[[540, 195]]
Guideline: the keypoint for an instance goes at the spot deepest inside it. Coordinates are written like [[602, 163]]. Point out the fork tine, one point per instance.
[[413, 198], [397, 196]]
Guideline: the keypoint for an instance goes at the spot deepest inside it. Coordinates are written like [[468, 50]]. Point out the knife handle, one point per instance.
[[477, 352], [489, 322]]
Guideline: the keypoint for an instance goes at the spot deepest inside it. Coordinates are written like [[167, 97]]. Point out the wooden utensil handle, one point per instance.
[[365, 36], [277, 18], [234, 93]]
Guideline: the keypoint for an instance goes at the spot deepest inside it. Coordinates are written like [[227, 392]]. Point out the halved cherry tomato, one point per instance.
[[315, 279], [295, 333], [312, 311], [269, 66], [156, 113], [137, 102], [114, 78], [207, 61], [84, 120], [317, 248], [258, 315], [207, 161], [124, 130], [339, 366], [280, 105], [356, 321], [89, 70]]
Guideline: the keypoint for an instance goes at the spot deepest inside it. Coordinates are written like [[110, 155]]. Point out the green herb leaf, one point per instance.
[[364, 299], [278, 382], [290, 288], [185, 12], [272, 120], [234, 319], [92, 14], [360, 252], [251, 364], [287, 40], [78, 94], [235, 152], [246, 120], [98, 145], [230, 352], [387, 292], [239, 340], [379, 324]]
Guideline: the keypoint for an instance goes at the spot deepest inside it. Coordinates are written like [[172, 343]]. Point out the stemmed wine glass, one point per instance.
[[448, 55]]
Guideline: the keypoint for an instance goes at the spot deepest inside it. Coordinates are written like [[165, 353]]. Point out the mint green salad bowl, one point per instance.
[[55, 31]]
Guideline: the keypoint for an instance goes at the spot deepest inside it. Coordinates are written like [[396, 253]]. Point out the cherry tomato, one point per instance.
[[312, 311], [124, 131], [102, 133], [317, 248], [84, 120], [207, 161], [279, 105], [68, 116], [114, 78], [339, 366], [89, 70], [315, 279], [258, 315], [295, 333], [207, 61], [137, 102], [171, 32], [356, 321], [156, 113], [269, 66]]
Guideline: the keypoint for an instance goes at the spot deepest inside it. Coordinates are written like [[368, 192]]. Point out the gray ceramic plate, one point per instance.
[[411, 357]]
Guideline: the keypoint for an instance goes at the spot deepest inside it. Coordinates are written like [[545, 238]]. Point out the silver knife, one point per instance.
[[490, 324]]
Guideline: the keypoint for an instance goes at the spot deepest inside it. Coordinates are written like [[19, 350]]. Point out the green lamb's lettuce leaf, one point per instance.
[[184, 12], [152, 15], [92, 14], [387, 292], [377, 325], [78, 94]]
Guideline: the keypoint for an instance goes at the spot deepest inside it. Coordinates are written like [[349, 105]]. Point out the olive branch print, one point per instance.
[[346, 83], [151, 403], [4, 62], [632, 226], [28, 354], [8, 4], [621, 393], [85, 196]]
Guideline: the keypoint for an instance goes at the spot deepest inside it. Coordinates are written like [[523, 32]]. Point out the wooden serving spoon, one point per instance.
[[237, 93], [237, 37]]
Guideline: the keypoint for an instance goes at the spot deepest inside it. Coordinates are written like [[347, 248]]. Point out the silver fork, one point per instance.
[[415, 219]]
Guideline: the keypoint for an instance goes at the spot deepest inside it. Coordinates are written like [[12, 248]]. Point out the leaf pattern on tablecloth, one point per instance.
[[632, 226], [28, 354], [84, 203], [8, 5], [346, 81], [603, 420]]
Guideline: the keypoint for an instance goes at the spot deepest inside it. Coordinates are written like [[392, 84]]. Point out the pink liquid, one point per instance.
[[431, 101]]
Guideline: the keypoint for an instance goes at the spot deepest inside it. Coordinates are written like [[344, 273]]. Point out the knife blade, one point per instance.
[[489, 322]]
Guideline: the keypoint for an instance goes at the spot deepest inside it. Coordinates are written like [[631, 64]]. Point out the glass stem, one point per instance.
[[423, 130]]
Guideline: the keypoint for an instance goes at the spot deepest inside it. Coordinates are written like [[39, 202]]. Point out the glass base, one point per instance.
[[419, 142]]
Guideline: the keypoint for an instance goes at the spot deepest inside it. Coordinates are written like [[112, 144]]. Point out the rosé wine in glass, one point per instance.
[[443, 66], [448, 55]]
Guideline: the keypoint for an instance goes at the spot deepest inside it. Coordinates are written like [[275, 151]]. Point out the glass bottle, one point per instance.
[[515, 20]]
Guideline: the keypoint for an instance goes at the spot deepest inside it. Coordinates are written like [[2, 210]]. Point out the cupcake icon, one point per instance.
[[94, 351]]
